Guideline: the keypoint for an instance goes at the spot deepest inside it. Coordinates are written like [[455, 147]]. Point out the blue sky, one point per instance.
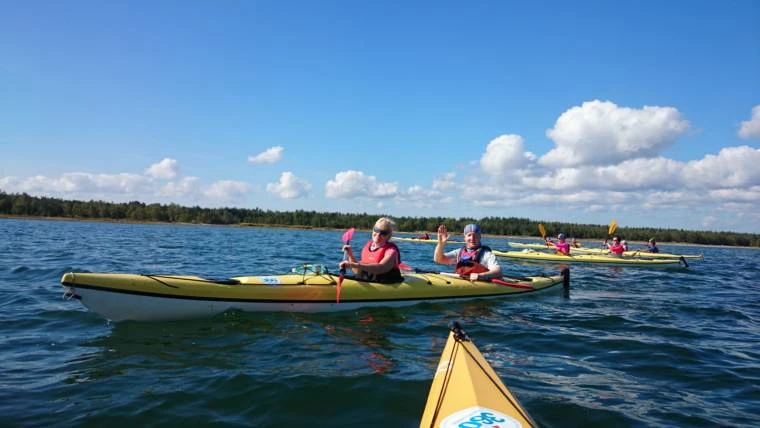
[[645, 112]]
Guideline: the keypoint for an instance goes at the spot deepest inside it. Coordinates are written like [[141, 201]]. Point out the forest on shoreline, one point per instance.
[[24, 205]]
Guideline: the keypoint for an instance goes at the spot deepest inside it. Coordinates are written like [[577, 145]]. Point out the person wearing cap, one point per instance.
[[615, 247], [381, 259], [562, 246], [624, 244], [574, 243], [651, 247], [474, 261]]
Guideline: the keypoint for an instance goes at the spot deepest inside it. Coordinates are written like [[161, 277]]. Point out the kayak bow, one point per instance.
[[467, 392]]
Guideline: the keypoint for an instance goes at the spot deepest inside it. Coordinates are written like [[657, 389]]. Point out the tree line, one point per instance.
[[12, 204]]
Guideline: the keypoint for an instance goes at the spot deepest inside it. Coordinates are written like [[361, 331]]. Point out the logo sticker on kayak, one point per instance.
[[270, 280], [479, 417]]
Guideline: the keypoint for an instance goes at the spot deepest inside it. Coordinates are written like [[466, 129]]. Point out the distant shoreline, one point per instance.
[[274, 226]]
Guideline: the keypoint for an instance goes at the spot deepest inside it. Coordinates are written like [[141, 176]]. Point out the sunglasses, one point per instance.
[[381, 231]]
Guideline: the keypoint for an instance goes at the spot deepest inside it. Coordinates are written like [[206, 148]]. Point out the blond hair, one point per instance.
[[387, 222]]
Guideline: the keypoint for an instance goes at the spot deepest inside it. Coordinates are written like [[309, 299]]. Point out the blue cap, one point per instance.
[[561, 236], [472, 228]]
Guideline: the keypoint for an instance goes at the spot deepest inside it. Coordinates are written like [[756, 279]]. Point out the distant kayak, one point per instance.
[[425, 241], [467, 392], [121, 297], [587, 258], [602, 251]]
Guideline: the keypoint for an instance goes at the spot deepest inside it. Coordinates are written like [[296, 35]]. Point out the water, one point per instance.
[[629, 347]]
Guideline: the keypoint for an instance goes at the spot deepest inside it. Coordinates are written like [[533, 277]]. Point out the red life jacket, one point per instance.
[[376, 256], [468, 261]]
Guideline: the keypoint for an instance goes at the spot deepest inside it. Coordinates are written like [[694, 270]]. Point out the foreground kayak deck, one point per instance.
[[588, 258], [160, 297], [467, 392], [602, 251]]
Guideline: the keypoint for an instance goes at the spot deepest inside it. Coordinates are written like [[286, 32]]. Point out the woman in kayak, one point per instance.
[[615, 247], [473, 261], [562, 246], [380, 258]]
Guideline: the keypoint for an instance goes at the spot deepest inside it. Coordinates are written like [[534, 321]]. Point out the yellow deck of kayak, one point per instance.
[[467, 392], [161, 297]]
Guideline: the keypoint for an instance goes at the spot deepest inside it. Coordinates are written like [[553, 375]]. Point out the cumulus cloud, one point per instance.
[[186, 186], [226, 189], [270, 155], [750, 129], [602, 133], [352, 184], [167, 169], [503, 154], [731, 167], [77, 182], [289, 186]]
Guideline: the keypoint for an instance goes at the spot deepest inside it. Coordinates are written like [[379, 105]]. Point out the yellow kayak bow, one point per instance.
[[466, 391]]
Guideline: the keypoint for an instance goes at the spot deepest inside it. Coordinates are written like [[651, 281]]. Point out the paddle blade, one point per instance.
[[348, 235], [542, 229], [612, 228]]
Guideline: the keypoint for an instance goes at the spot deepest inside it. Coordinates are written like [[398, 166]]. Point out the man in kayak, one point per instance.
[[473, 261], [423, 235], [651, 247], [380, 258], [615, 247]]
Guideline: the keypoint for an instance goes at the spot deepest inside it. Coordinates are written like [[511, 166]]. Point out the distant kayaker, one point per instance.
[[575, 244], [624, 244], [423, 235], [651, 247], [615, 247], [473, 261], [380, 258], [562, 246]]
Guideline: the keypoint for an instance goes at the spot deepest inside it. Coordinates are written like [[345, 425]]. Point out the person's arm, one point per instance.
[[494, 269], [438, 254], [350, 261]]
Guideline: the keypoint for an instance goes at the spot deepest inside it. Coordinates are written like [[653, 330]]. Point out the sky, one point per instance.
[[646, 112]]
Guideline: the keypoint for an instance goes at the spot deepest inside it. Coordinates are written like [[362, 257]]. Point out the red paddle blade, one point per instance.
[[348, 235]]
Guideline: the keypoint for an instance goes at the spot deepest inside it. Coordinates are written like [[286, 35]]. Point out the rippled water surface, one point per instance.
[[629, 347]]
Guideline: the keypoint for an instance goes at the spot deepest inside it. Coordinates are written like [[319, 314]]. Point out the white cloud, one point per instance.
[[168, 168], [289, 186], [77, 182], [731, 167], [750, 129], [186, 186], [353, 184], [601, 133], [226, 189], [445, 182], [270, 155], [504, 154]]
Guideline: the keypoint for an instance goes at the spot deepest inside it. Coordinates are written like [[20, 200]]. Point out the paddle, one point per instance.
[[346, 239], [494, 280], [542, 230], [610, 230]]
